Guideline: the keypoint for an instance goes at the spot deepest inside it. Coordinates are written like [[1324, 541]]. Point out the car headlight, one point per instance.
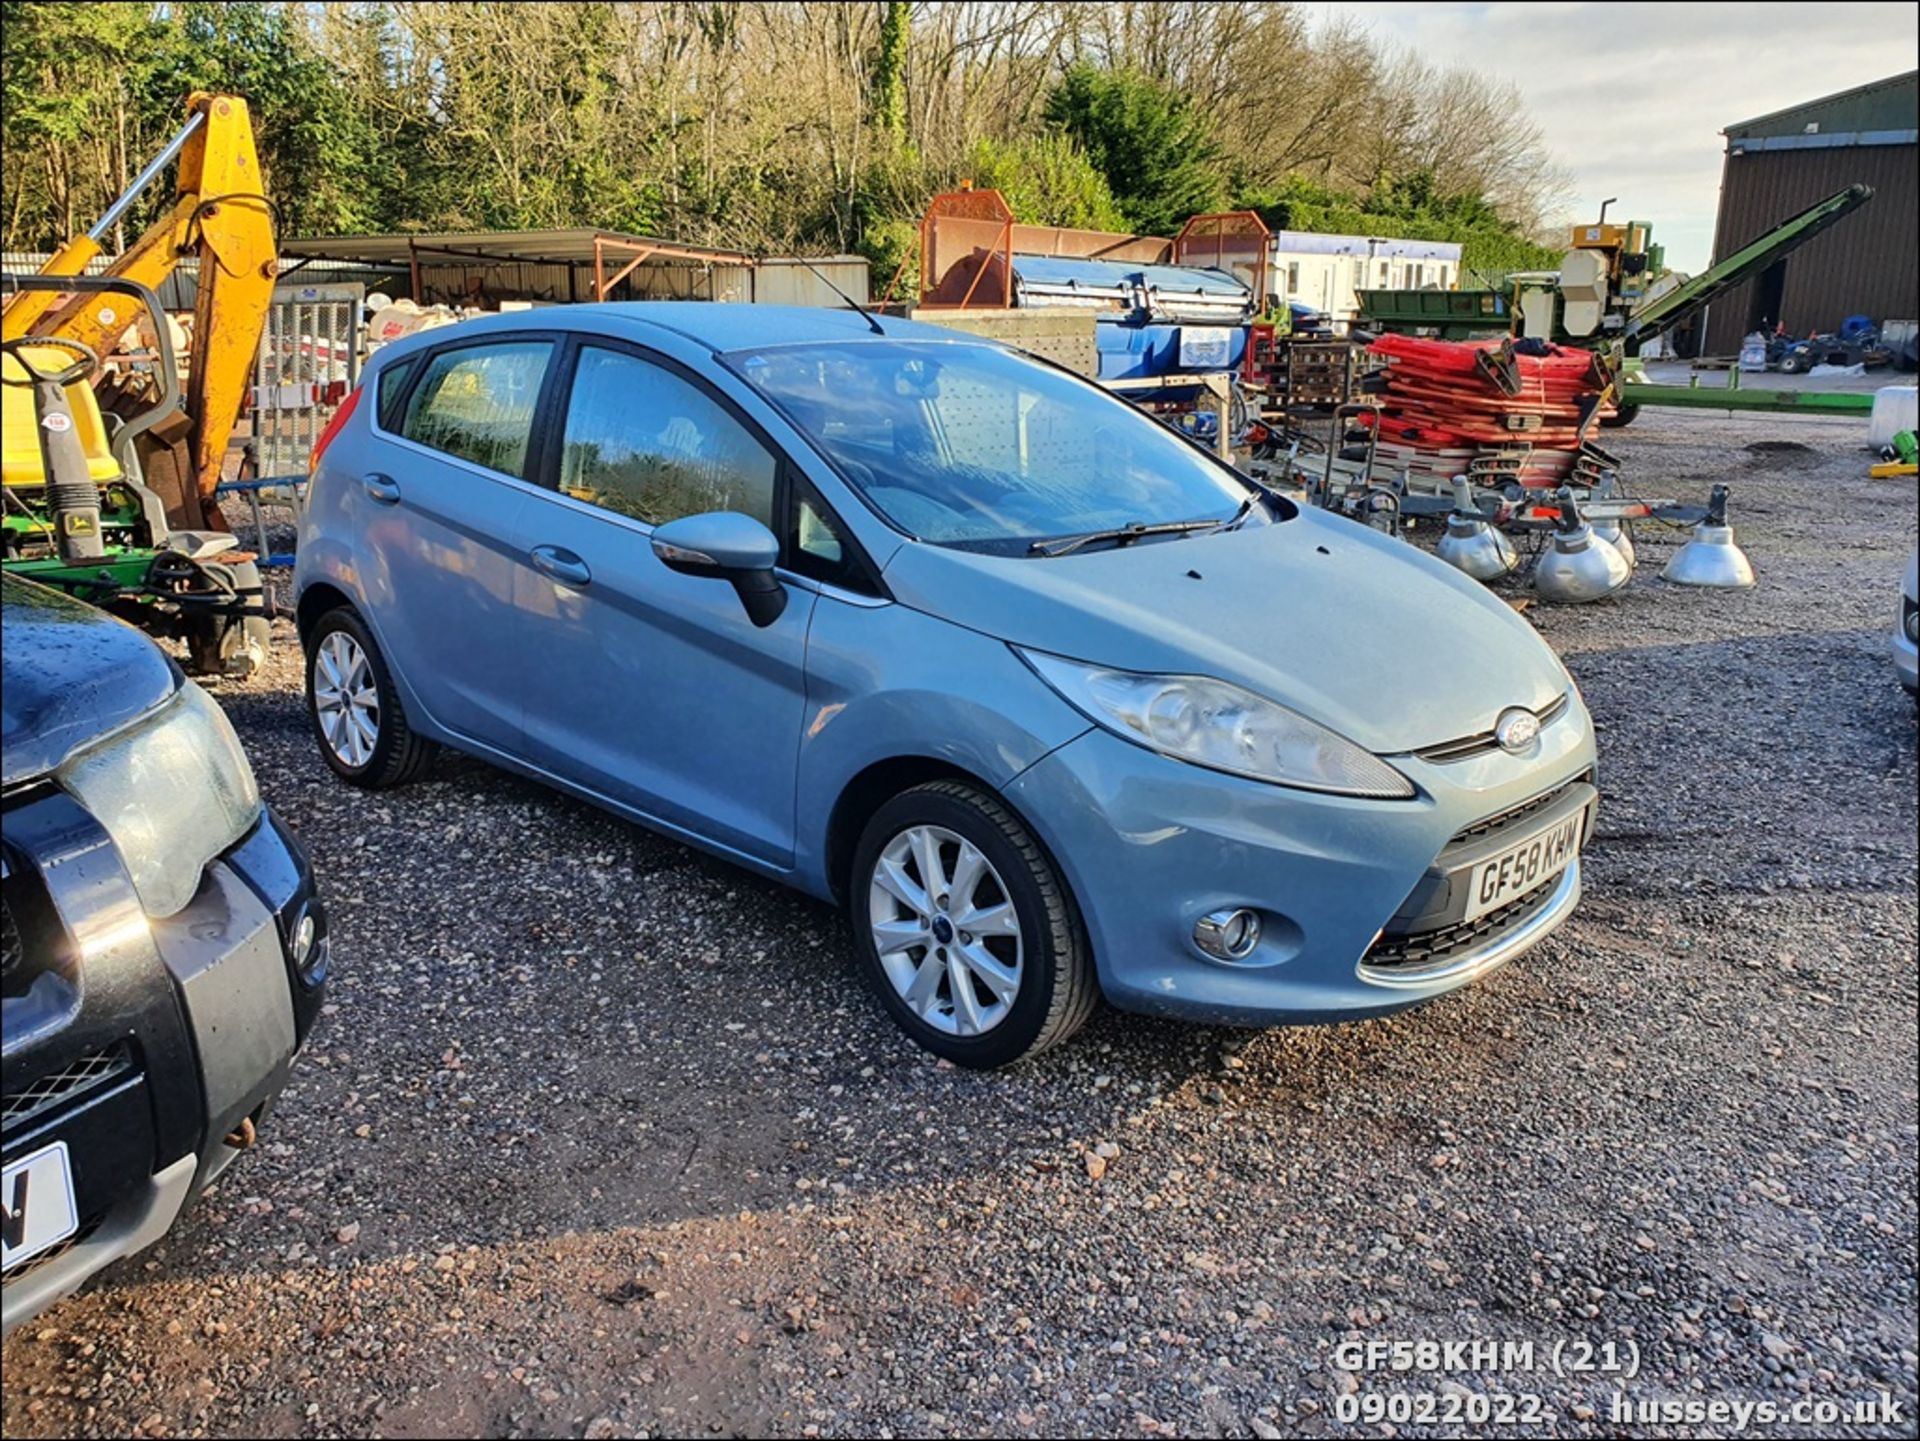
[[1220, 726], [173, 791]]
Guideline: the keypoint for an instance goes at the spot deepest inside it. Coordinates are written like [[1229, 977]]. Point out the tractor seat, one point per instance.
[[21, 464], [200, 544]]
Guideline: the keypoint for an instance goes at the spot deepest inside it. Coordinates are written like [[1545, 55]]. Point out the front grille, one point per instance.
[[1484, 741], [11, 951], [46, 1092], [22, 1269], [1501, 820], [1433, 948]]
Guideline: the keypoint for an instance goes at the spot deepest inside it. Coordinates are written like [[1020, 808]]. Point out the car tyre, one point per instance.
[[345, 670], [1056, 989]]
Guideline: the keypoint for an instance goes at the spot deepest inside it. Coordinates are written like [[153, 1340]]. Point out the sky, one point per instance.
[[1631, 98]]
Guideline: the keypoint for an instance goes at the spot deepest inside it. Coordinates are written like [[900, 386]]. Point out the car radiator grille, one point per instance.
[[22, 1269], [1513, 815], [45, 1092], [1484, 741], [11, 951], [1434, 948]]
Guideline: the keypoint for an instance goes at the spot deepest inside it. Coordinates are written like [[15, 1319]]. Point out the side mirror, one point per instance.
[[726, 545]]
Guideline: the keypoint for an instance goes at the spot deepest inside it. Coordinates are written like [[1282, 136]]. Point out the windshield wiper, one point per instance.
[[1127, 534], [1120, 535]]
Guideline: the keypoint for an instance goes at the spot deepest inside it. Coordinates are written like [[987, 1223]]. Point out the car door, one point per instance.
[[646, 686], [442, 538]]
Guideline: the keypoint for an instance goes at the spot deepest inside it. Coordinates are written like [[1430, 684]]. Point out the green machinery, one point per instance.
[[1608, 286], [79, 517], [1607, 295]]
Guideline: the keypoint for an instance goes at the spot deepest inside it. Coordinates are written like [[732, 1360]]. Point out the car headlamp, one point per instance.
[[174, 791], [1214, 724]]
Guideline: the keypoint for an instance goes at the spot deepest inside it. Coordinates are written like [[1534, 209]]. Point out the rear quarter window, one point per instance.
[[393, 382]]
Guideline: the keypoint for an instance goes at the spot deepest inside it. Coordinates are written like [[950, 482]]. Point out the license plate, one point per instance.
[[1524, 866], [36, 1204]]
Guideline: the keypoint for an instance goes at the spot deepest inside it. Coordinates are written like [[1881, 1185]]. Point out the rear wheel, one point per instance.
[[355, 707], [966, 929]]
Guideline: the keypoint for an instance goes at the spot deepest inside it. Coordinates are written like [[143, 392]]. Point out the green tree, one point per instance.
[[1148, 140], [890, 68], [1047, 180]]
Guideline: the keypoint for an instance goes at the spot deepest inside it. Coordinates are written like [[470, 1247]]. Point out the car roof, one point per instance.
[[719, 326]]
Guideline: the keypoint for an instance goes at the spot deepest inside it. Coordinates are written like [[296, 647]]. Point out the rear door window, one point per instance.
[[477, 402], [646, 443]]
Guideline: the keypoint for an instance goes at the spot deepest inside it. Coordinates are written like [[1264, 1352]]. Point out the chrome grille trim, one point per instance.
[[1483, 741]]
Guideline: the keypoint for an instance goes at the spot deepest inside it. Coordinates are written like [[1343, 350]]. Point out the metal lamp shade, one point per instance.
[[1579, 567], [1477, 548], [1711, 559]]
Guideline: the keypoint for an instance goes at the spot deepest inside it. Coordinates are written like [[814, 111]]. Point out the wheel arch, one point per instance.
[[869, 789], [315, 601]]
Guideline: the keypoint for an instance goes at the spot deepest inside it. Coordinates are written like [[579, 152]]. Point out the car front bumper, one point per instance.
[[1361, 902], [1906, 660], [143, 1045]]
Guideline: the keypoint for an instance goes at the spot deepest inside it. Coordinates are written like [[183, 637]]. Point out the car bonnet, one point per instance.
[[1361, 632], [72, 674]]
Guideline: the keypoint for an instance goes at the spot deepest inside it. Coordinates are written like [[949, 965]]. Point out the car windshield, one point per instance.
[[979, 447]]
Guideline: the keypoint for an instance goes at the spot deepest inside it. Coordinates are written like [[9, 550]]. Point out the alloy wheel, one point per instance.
[[346, 699], [945, 929]]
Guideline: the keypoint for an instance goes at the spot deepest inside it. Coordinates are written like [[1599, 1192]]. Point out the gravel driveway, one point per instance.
[[599, 1136]]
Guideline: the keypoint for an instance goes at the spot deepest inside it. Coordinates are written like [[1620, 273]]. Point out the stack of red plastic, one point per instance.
[[1441, 408]]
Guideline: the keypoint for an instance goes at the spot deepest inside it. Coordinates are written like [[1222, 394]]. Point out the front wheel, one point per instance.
[[966, 929]]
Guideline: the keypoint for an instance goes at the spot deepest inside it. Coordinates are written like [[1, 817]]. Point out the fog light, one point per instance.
[[307, 941], [1229, 935]]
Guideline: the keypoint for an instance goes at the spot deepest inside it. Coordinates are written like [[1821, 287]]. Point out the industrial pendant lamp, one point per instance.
[[1470, 543], [1711, 558], [1578, 566]]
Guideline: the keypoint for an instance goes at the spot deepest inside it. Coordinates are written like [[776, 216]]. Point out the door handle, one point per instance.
[[562, 565], [382, 489]]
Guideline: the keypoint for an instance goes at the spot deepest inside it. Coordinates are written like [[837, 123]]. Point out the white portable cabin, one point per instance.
[[1324, 271]]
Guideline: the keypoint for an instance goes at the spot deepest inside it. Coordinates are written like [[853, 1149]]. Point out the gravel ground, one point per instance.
[[600, 1136]]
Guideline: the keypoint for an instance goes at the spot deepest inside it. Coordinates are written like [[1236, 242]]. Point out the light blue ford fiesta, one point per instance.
[[1055, 704]]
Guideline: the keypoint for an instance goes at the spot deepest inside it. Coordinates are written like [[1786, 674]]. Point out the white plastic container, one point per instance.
[[1895, 408]]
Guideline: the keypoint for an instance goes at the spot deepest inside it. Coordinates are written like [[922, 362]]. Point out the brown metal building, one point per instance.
[[1779, 164]]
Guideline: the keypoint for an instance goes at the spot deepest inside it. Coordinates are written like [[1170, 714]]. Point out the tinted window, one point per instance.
[[645, 443], [393, 390], [977, 446], [477, 402]]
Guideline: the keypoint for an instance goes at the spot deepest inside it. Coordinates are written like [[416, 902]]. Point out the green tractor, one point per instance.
[[78, 517]]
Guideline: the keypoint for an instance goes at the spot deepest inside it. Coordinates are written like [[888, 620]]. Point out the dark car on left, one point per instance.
[[165, 951]]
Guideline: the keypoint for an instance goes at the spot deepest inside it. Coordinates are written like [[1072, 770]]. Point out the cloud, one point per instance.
[[1631, 98]]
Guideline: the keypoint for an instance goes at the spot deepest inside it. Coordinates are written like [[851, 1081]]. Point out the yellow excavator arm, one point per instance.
[[222, 217]]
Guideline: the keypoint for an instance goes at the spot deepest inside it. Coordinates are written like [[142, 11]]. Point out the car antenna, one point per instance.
[[852, 304]]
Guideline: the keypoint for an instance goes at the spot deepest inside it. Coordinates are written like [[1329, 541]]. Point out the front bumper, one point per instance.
[[141, 1044], [1906, 660], [1359, 916]]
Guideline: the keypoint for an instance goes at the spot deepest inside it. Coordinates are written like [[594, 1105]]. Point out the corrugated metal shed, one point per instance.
[[1878, 105], [181, 289], [485, 267], [176, 292], [1776, 166]]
